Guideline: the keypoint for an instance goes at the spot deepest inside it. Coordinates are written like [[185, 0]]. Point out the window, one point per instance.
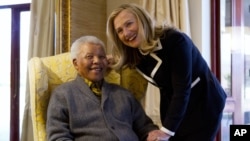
[[5, 73], [14, 27], [231, 31]]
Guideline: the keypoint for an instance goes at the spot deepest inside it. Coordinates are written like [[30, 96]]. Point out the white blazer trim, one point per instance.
[[146, 77], [159, 47], [195, 82], [159, 62]]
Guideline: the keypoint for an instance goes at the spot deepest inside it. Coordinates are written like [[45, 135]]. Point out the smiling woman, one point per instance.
[[13, 76]]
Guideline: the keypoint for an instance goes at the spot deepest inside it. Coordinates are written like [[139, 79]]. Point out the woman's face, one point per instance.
[[126, 27]]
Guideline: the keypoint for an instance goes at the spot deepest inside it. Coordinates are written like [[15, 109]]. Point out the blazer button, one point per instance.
[[112, 127]]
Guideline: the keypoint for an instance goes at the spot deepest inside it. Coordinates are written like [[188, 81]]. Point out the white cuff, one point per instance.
[[167, 131]]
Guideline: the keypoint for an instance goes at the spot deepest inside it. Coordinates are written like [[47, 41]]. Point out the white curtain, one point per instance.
[[174, 12], [41, 44]]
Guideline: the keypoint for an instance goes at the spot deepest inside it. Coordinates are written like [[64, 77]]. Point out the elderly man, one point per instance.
[[91, 109]]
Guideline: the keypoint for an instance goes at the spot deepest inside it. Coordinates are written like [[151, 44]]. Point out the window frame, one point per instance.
[[15, 67]]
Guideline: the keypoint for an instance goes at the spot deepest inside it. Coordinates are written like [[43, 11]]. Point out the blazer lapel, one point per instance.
[[149, 66]]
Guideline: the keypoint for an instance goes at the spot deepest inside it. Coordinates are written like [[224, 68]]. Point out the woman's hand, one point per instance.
[[111, 60], [157, 135]]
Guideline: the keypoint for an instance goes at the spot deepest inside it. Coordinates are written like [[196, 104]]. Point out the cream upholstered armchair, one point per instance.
[[48, 72]]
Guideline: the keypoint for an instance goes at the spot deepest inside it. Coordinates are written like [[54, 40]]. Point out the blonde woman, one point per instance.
[[191, 98]]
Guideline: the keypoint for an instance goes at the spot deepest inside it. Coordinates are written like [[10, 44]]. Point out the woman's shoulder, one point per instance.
[[171, 32], [174, 34]]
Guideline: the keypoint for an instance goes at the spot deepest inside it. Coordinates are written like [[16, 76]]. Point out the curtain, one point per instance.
[[173, 12], [41, 44]]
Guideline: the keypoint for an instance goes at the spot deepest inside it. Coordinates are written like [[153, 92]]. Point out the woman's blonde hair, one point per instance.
[[150, 33]]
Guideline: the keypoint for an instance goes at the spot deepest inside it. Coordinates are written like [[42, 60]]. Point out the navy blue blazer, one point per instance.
[[191, 97]]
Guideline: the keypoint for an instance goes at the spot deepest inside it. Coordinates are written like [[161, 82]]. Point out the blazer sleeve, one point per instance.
[[179, 57]]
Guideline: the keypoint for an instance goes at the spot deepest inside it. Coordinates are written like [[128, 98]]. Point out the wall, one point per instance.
[[88, 17]]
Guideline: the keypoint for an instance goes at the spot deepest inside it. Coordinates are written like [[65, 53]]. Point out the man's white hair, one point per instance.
[[76, 46]]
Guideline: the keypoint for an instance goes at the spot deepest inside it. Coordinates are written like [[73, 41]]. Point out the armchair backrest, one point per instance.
[[44, 75]]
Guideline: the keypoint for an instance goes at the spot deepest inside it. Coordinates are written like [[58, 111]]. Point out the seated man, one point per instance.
[[106, 112]]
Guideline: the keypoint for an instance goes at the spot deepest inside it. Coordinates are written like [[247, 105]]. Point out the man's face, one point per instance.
[[91, 62]]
